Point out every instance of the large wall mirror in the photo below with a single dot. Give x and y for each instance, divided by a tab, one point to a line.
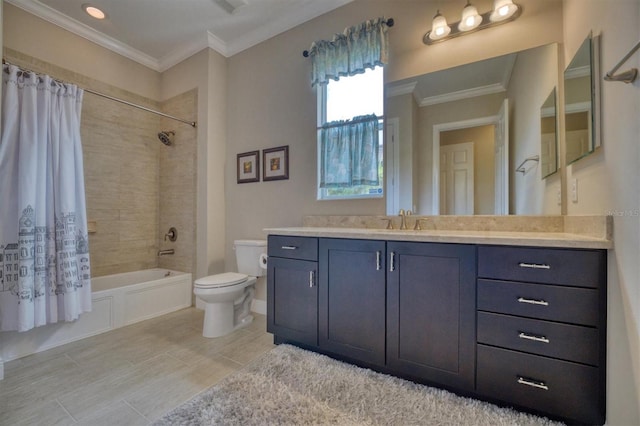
549	136
456	136
581	99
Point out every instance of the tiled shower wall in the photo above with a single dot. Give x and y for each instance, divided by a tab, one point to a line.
131	178
178	184
121	153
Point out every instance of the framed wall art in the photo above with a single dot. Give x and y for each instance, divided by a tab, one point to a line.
275	163
249	167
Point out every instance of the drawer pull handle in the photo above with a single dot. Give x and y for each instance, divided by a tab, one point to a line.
392	258
378	255
533	301
289	248
532	383
526	336
534	265
311	280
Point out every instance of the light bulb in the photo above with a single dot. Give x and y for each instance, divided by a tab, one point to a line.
503	9
93	11
470	18
439	27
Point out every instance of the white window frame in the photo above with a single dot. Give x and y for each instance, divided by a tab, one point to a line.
321	194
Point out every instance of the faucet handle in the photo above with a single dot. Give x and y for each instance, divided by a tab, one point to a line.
401	212
389	223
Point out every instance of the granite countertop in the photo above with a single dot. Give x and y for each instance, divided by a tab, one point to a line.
515	238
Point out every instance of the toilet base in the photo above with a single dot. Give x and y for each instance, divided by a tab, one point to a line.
219	320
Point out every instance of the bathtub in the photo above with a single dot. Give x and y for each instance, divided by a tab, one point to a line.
118	300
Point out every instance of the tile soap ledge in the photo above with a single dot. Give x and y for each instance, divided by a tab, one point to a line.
541	231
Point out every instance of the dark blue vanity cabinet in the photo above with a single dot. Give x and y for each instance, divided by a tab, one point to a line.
352	298
292	289
519	326
431	324
542	330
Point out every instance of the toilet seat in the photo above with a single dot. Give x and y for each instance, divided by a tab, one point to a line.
226	279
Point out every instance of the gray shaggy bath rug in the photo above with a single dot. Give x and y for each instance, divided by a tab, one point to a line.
291	386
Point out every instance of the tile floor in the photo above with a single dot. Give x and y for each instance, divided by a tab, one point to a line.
128	376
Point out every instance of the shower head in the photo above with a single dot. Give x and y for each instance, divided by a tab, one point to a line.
166	137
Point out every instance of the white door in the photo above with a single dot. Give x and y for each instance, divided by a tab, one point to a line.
456	179
502	160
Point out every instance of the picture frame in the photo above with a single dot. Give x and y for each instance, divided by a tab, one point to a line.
275	162
249	167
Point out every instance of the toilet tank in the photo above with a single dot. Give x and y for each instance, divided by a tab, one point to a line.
248	256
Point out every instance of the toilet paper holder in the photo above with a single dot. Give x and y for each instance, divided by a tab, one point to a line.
263	260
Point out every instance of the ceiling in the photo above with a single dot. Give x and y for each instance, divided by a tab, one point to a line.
162	33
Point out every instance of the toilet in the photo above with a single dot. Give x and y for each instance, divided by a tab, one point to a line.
227	297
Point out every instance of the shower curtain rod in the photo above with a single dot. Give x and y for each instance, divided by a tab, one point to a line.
153	111
191	123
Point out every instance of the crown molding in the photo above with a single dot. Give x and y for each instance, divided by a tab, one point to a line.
462	94
312	9
189	49
78	28
402	89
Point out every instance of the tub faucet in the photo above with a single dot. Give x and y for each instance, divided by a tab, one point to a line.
166	252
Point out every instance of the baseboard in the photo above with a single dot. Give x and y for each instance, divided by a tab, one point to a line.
259	306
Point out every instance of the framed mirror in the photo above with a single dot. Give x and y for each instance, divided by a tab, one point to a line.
549	136
581	102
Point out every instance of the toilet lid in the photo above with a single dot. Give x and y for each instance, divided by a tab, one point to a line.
221	280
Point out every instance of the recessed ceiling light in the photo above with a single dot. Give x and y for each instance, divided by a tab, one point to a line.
94	11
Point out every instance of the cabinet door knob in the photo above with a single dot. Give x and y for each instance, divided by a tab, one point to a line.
535	338
533	383
533	301
392	258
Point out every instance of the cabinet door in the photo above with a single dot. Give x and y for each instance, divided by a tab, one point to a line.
352	298
292	300
431	312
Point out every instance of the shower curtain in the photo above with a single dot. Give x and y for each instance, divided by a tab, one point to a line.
44	252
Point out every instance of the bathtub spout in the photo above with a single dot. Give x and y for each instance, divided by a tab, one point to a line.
166	252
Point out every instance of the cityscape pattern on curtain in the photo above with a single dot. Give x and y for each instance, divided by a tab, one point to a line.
29	265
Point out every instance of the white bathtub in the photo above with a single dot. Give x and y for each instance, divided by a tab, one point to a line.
118	300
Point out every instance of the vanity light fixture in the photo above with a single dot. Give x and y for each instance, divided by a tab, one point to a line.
93	11
470	18
439	28
503	11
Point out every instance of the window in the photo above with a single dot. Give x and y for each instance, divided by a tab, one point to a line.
346	99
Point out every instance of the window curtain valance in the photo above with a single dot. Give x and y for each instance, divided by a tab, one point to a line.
349	152
352	52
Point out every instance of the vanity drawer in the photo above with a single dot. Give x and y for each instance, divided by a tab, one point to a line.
579	268
553	339
303	248
560	388
550	302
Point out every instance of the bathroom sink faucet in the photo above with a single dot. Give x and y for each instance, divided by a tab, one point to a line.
403	218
